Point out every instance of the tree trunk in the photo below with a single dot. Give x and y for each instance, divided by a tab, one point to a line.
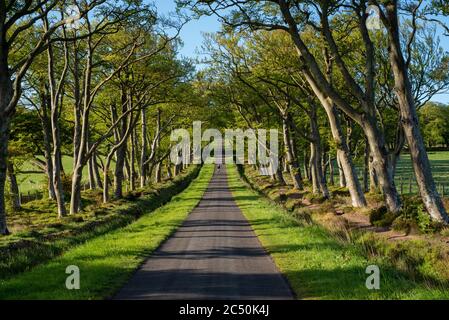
347	174
331	170
57	160
341	173
366	167
380	165
175	170
157	173
168	168
306	166
46	130
373	182
313	164
319	184
98	180
324	165
90	171
284	165
119	172
132	160
91	174
292	162
13	187
6	92
403	89
278	175
75	201
143	151
106	181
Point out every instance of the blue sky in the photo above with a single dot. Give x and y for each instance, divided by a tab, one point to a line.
192	35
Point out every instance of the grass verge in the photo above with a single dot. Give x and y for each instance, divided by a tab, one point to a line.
107	261
48	237
316	264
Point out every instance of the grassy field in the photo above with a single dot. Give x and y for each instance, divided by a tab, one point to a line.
107	261
317	265
32	182
440	169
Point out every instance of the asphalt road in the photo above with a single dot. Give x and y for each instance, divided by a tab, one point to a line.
213	255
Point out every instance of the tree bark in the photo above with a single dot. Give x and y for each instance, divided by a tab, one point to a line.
132	160
292	162
157	173
366	167
347	171
98	180
409	118
278	175
169	174
6	93
331	170
91	174
341	173
306	165
13	187
373	182
144	150
119	171
47	134
319	184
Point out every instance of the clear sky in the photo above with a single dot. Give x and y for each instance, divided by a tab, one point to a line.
192	35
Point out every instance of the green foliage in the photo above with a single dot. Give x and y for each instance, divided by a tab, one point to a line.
434	119
381	217
413	216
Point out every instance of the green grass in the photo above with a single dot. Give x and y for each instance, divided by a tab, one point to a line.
317	265
35	182
108	261
439	161
39	235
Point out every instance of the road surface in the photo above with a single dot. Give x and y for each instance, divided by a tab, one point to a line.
213	255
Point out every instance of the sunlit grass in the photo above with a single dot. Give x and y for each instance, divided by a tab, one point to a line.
316	264
107	261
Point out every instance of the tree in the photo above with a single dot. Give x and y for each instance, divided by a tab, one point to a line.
16	19
355	96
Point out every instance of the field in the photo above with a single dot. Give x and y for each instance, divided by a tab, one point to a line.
33	182
440	169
